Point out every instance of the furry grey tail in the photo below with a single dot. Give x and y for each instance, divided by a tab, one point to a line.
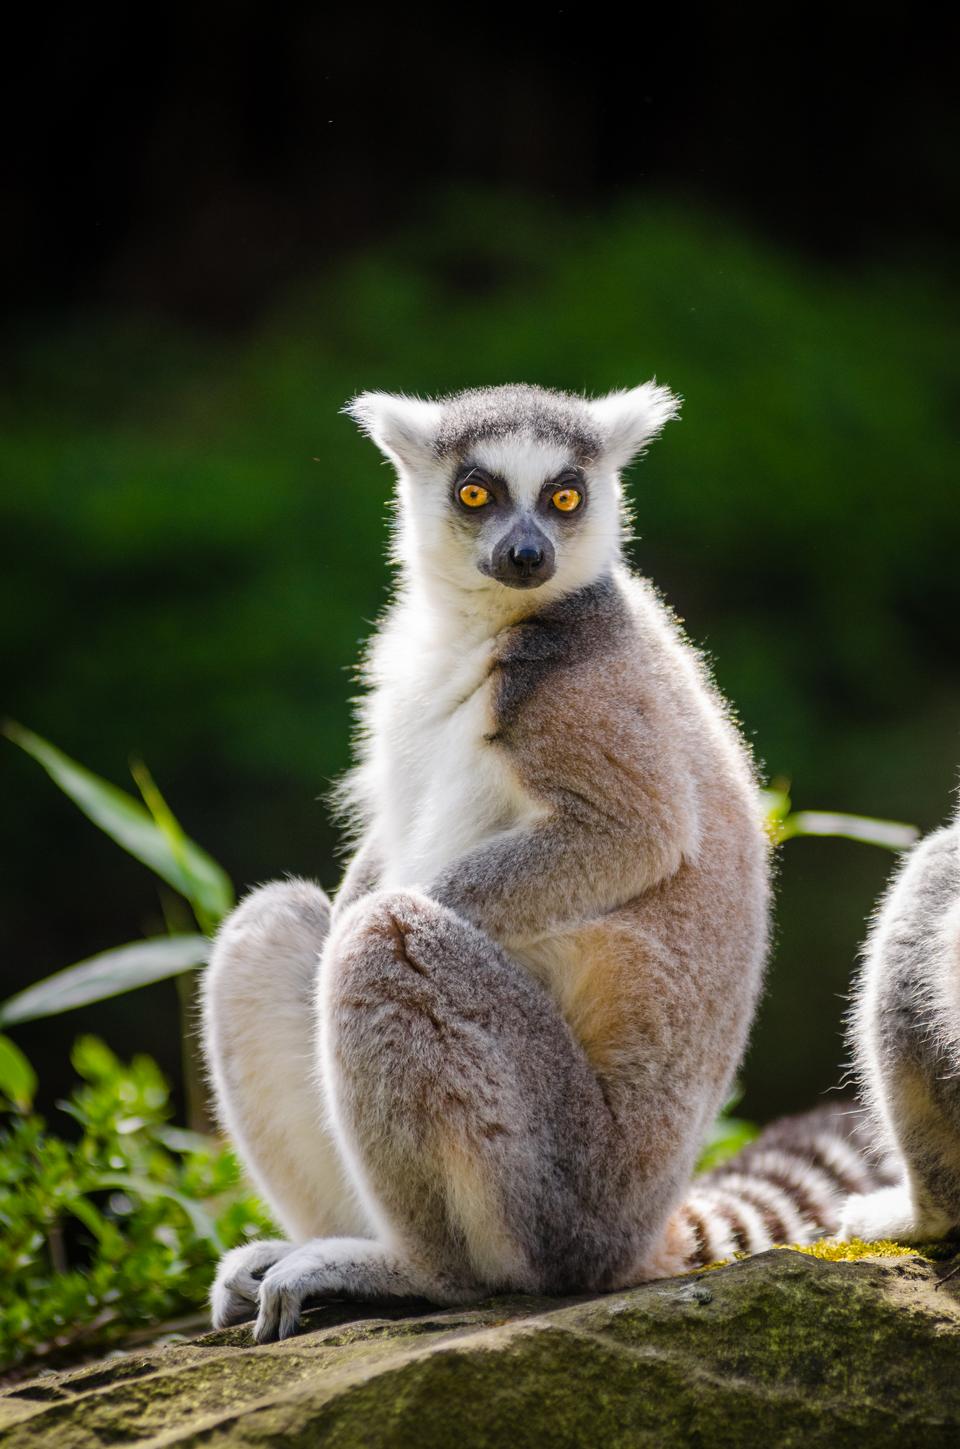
789	1186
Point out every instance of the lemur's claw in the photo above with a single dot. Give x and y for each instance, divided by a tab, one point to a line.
236	1288
286	1286
282	1296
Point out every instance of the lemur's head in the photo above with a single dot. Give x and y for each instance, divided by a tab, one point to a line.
511	488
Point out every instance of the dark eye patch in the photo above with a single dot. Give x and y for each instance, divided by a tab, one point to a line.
568	478
495	486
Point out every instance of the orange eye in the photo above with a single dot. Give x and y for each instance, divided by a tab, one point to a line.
566	499
473	495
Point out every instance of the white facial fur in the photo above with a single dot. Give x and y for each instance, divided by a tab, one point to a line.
443	552
446	553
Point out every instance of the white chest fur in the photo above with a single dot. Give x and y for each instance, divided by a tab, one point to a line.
436	784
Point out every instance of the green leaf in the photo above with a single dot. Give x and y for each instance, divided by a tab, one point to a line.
94	1061
208	909
784	823
726	1138
166	850
109	974
890	834
183	1141
201	1221
85	1212
18	1080
775	799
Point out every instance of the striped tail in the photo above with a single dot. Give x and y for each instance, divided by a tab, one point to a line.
786	1187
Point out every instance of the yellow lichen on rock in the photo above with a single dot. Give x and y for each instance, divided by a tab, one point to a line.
855	1250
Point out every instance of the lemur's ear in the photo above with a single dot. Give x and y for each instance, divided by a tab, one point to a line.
404	428
628	420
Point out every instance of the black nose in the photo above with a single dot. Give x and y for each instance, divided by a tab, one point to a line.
526	560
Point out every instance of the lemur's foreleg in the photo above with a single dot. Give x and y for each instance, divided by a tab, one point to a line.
360	878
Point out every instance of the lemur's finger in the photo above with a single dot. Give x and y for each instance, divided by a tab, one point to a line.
236	1288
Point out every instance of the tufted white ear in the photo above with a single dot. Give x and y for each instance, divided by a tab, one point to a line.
403	428
627	420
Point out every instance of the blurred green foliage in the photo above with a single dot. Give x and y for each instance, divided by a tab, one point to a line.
195	546
117	1227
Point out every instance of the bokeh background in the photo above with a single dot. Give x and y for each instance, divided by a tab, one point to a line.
223	225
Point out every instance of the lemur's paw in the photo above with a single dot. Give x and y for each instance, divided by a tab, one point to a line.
889	1213
236	1288
286	1286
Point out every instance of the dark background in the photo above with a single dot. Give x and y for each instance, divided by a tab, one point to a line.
221	223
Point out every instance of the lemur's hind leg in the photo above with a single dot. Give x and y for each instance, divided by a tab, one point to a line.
907	1027
470	1117
925	1205
260	1042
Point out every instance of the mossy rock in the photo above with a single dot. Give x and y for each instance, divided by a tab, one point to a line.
783	1349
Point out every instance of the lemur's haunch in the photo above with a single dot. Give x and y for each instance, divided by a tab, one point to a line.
905	1034
492	1063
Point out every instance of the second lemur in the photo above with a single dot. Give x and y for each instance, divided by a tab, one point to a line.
905	1036
491	1063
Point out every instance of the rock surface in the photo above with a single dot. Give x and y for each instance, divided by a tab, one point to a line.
782	1349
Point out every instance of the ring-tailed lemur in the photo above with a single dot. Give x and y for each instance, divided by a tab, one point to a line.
905	1036
491	1064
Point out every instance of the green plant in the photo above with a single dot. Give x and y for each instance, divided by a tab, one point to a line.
118	1228
149	831
785	823
727	1135
18	1081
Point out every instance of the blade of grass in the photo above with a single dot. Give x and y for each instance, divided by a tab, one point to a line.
889	834
189	870
210	893
109	974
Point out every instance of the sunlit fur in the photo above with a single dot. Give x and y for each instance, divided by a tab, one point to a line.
535	984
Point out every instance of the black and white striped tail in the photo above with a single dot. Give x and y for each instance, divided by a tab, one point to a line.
786	1187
